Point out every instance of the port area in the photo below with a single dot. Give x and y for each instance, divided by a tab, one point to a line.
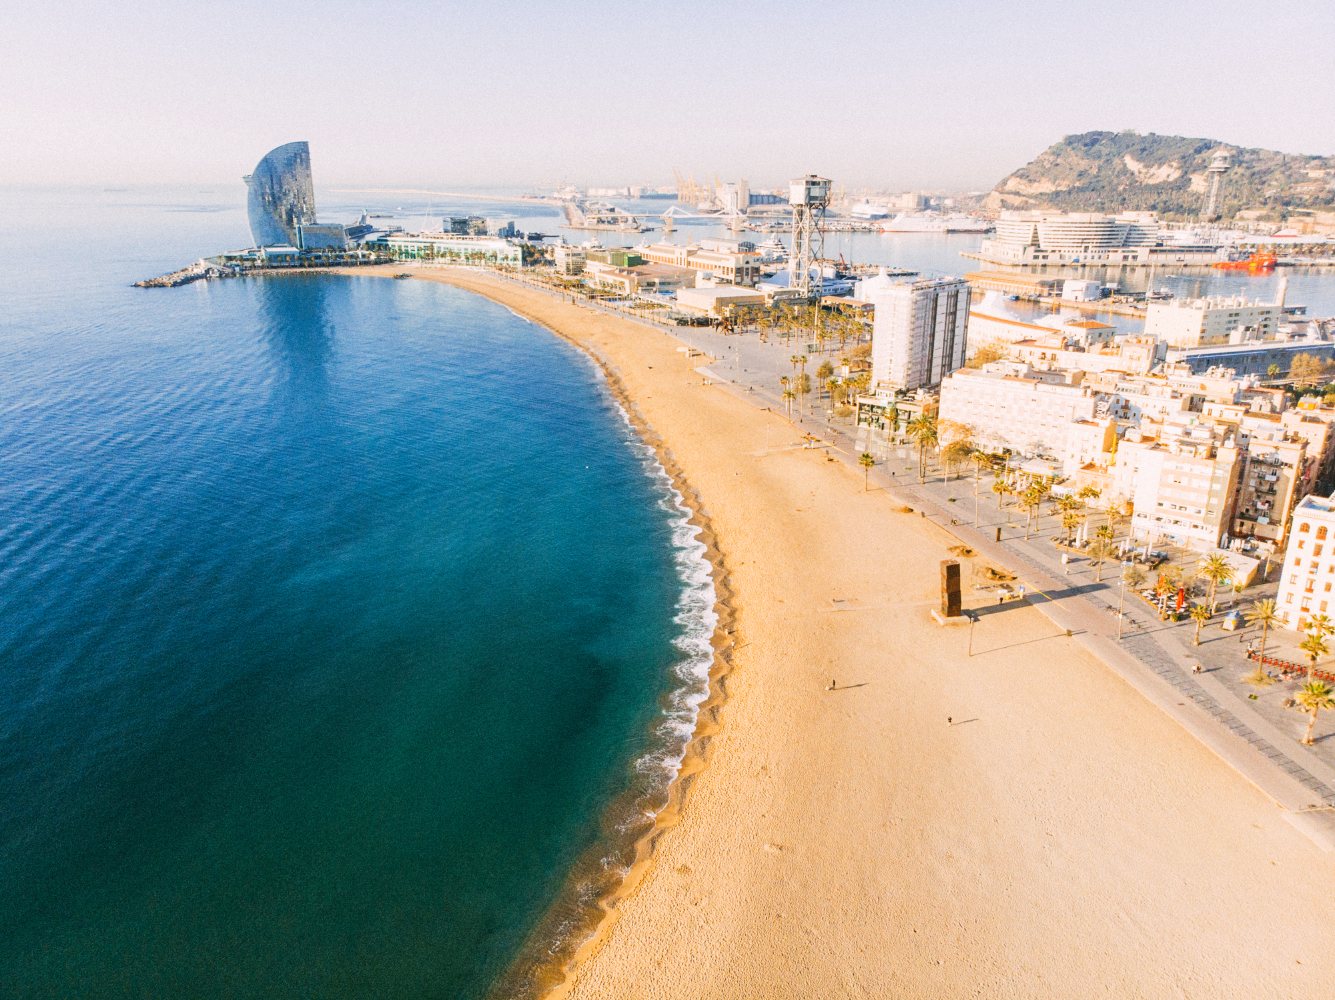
1046	292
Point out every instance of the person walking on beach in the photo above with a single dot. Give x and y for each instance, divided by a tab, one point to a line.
832	686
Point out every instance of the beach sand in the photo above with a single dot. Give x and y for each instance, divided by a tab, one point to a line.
1062	838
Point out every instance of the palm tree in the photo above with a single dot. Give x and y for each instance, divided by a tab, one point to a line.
1320	624
1265	614
1314	645
1031	500
1313	697
1099	551
1215	569
1070	521
1200	614
1001	486
922	430
866	461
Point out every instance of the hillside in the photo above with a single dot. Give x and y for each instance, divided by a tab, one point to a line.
1116	171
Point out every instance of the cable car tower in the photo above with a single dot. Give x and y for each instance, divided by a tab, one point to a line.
809	197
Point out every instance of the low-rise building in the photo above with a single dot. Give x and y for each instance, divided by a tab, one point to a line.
736	267
1211	322
569	260
447	248
714	299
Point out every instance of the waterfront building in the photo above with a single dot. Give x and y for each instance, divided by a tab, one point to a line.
281	195
885	410
1181	475
1041	414
1253	357
714	300
1057	238
1307	581
322	236
632	279
447	248
1212	321
569	260
736	267
918	332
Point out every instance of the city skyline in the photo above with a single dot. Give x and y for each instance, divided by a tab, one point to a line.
945	96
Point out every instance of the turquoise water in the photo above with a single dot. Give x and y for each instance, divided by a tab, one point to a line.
339	618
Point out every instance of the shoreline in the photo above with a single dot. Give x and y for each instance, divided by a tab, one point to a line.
1013	820
564	948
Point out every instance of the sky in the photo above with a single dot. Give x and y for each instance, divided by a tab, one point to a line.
878	96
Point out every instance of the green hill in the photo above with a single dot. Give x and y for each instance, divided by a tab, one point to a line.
1120	171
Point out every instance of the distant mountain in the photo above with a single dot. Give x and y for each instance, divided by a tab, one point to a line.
1119	171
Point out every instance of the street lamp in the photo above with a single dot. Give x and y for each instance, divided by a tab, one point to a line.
1121	595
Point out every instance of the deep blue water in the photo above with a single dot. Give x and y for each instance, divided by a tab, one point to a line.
335	613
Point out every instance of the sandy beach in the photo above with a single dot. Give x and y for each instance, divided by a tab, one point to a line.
1061	837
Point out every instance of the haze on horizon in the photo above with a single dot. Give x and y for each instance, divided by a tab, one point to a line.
950	95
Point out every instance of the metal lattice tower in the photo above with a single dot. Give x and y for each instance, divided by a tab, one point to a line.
1219	165
809	197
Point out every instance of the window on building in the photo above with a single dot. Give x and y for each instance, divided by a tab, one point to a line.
1316	550
1321	532
1304	527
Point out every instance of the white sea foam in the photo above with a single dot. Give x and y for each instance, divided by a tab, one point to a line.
696	619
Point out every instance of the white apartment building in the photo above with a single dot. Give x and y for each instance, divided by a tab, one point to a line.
1010	405
569	260
1211	322
1307	582
918	332
1181	477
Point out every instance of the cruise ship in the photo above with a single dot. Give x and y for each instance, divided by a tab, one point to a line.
935	222
866	210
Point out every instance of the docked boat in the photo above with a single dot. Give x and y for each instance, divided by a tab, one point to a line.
935	222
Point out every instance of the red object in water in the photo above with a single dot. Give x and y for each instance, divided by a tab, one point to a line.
1257	263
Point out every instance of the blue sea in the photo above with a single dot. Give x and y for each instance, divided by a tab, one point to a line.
346	627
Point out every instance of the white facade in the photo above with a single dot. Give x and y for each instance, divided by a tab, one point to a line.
1009	405
1182	483
1307	582
919	332
569	260
1211	321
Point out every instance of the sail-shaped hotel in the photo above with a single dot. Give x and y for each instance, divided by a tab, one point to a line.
282	196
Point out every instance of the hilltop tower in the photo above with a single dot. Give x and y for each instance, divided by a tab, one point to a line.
809	197
1214	174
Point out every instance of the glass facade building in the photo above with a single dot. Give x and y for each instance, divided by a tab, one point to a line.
282	196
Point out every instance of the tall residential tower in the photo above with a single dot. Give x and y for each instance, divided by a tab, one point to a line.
918	335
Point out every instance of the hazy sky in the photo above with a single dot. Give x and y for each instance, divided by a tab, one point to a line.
890	95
